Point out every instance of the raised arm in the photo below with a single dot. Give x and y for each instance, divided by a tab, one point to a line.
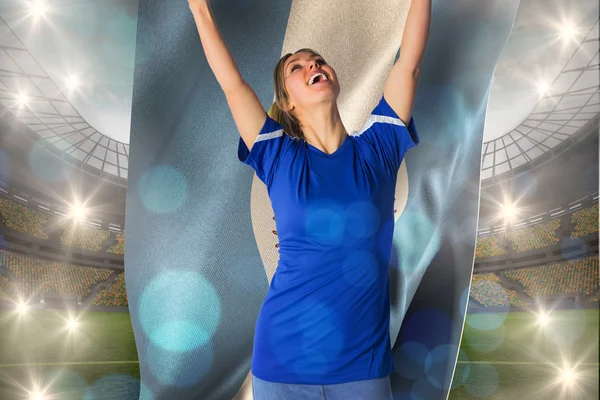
402	81
247	111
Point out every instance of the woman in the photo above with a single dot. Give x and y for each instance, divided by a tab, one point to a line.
323	328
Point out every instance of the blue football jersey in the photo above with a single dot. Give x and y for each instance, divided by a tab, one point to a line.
325	318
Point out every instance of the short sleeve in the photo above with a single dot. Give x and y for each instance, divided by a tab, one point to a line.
388	136
266	150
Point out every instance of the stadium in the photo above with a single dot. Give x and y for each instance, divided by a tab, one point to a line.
532	323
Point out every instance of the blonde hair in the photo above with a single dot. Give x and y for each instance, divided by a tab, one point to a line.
286	119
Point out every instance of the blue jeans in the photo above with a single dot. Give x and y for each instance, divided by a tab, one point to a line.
372	389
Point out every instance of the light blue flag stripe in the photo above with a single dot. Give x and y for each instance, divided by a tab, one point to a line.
194	277
434	238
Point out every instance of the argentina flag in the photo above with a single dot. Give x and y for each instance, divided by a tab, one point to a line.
202	244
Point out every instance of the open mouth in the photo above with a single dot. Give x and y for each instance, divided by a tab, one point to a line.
318	79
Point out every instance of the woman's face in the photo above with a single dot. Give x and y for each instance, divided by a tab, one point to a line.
298	70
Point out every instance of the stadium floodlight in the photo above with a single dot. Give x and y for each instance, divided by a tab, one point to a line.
38	9
568	376
72	324
78	212
543	87
543	318
568	31
36	394
22	99
22	308
509	212
72	82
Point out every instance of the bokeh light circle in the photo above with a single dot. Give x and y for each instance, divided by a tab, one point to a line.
409	360
482	381
162	189
436	365
173	368
362	220
325	223
417	328
461	370
485	321
485	341
182	322
65	384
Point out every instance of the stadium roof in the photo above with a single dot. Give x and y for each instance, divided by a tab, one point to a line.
46	111
571	102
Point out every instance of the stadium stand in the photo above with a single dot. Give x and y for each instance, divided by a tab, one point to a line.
577	276
489	246
119	248
113	296
8	289
535	237
35	275
487	290
82	236
22	219
585	221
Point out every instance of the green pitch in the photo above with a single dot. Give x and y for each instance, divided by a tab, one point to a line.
98	360
520	359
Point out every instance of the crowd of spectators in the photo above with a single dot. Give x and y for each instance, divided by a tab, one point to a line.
23	219
8	290
577	276
489	246
35	275
113	296
78	235
585	221
487	290
119	247
535	237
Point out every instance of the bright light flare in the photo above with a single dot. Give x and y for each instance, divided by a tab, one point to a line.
543	87
568	376
72	82
509	212
72	324
22	308
38	9
543	319
568	32
22	99
37	394
78	212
